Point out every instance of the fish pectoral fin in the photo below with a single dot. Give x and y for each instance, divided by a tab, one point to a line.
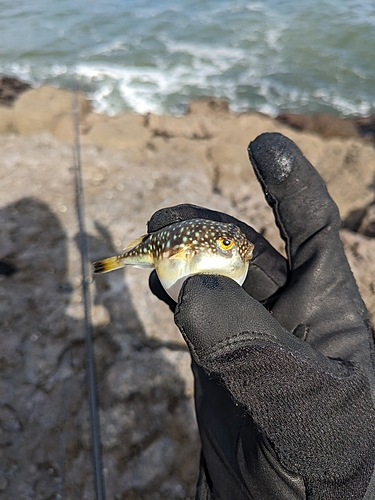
136	242
106	265
183	254
145	265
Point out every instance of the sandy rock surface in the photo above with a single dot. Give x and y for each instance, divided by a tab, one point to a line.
132	166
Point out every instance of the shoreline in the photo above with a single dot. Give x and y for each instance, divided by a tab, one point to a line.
325	125
208	137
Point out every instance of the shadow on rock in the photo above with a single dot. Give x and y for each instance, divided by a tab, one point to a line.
35	367
148	430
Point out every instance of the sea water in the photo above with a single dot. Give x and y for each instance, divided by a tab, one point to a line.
155	56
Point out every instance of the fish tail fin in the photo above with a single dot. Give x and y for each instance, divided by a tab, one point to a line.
109	264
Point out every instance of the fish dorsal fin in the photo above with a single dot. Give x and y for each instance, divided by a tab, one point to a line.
182	254
136	242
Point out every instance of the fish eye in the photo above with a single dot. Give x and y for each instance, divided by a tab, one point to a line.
225	243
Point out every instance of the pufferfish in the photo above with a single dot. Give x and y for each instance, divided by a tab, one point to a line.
186	248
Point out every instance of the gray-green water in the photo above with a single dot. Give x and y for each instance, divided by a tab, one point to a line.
269	55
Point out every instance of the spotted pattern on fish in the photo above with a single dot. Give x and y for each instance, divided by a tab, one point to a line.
198	235
186	248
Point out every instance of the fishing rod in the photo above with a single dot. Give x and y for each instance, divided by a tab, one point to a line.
86	279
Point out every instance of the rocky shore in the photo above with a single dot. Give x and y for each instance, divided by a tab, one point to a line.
132	165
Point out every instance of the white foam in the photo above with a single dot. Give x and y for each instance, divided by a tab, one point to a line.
255	64
146	89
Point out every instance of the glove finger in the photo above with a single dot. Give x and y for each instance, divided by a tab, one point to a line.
215	316
268	269
321	292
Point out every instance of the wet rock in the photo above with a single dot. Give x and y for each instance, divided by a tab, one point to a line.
11	88
323	124
328	126
208	106
366	126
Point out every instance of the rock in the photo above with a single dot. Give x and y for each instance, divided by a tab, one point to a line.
367	226
146	470
348	167
141	375
297	121
362	221
181	155
168	333
366	127
64	129
189	126
182	361
42	109
6	120
322	124
92	119
11	88
328	126
360	253
208	106
123	132
7	269
205	119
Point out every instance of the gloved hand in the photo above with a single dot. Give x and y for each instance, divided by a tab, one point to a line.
284	395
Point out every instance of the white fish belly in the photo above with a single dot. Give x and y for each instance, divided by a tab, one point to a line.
173	273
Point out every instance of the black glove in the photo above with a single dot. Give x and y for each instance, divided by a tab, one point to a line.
284	397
